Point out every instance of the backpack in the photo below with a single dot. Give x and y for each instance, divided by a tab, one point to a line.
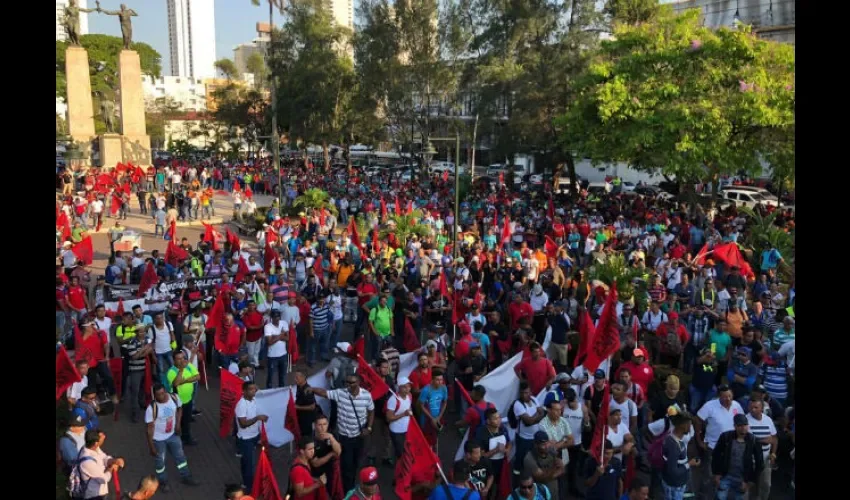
290	490
513	420
481	412
541	488
673	344
77	486
656	448
155	406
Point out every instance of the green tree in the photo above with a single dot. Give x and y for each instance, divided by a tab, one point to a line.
227	68
405	226
677	98
315	199
632	12
103	53
315	75
156	114
256	65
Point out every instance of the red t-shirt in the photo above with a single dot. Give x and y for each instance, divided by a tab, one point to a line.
91	348
366	288
473	417
419	379
462	348
76	297
304	312
678	251
60	298
299	474
537	372
642	374
519	311
253	326
232	336
583	230
681	332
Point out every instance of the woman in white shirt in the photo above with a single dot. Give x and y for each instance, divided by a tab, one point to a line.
398	413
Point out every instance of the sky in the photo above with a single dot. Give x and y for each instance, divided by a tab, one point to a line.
235	23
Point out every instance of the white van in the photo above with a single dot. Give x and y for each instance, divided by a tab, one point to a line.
746	198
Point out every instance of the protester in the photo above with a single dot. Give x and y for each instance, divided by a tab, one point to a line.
248	421
737	460
163	418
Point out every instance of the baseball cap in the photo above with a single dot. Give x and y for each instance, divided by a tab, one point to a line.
369	475
599	374
542	437
673	315
430	344
403	381
740	419
77	421
637	353
561	377
744	350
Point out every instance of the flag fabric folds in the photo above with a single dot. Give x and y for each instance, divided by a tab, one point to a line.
66	372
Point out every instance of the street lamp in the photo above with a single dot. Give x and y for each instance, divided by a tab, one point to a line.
428	154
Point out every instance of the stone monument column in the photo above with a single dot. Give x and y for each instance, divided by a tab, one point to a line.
136	144
78	90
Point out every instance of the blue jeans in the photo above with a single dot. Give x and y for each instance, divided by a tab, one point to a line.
319	347
336	332
224	360
60	323
248	462
277	366
175	448
673	492
700	397
729	489
164	362
523	446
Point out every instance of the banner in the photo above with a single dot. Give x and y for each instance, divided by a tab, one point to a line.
265	485
66	372
291	422
371	381
231	392
275	403
417	460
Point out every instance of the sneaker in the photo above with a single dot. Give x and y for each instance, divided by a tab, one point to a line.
238	455
190	481
195	413
165	487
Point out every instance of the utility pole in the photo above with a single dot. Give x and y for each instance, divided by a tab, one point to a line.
275	136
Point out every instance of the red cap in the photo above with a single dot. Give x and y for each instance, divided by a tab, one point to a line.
674	315
292	295
369	475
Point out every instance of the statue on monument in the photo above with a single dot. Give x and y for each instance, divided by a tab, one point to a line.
71	22
107	113
124	16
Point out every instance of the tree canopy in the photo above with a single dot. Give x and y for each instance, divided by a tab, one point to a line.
227	68
679	98
103	53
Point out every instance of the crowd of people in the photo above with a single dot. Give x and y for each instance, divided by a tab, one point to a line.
701	390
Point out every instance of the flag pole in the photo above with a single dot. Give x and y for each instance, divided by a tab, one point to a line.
206	379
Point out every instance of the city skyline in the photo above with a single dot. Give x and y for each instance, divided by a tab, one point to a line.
191	38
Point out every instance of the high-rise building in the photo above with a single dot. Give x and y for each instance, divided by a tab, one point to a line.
771	19
243	51
191	38
60	16
343	12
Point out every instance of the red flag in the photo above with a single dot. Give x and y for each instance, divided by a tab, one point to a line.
172	230
411	340
231	392
630	472
66	372
506	229
360	346
115	481
216	315
62	222
211	236
148	382
84	251
292	345
397	206
149	279
444	289
702	255
291	421
607	339
465	393
318	270
372	382
445	175
505	478
729	254
241	270
355	238
551	247
376	245
586	332
478	298
336	488
270	256
383	209
265	485
236	186
456	316
116	368
116	203
550	212
409	207
322	216
417	459
264	438
601	429
235	242
120	311
174	254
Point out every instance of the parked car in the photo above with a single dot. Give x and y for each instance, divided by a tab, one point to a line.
599	188
647	190
754	189
626	186
745	198
442	166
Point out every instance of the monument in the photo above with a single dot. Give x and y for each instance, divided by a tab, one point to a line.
133	143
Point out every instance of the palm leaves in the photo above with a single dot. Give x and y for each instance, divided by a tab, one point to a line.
405	226
616	268
315	199
764	235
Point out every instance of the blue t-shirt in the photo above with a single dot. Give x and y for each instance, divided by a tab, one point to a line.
457	493
770	259
490	241
484	340
433	398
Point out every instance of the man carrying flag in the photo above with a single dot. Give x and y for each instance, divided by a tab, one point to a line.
248	421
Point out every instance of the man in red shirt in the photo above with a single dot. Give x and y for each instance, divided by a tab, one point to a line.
78	299
421	376
304	485
474	415
365	291
228	339
463	344
642	373
253	321
92	345
670	352
518	310
536	370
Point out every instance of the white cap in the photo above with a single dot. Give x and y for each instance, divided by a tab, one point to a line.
343	346
67	244
403	381
139	251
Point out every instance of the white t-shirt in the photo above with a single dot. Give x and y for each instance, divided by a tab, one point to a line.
718	419
279	348
576	420
166	418
163	338
247	409
335	303
76	389
530	409
761	429
617	437
104	324
289	314
627	408
399	406
97	206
